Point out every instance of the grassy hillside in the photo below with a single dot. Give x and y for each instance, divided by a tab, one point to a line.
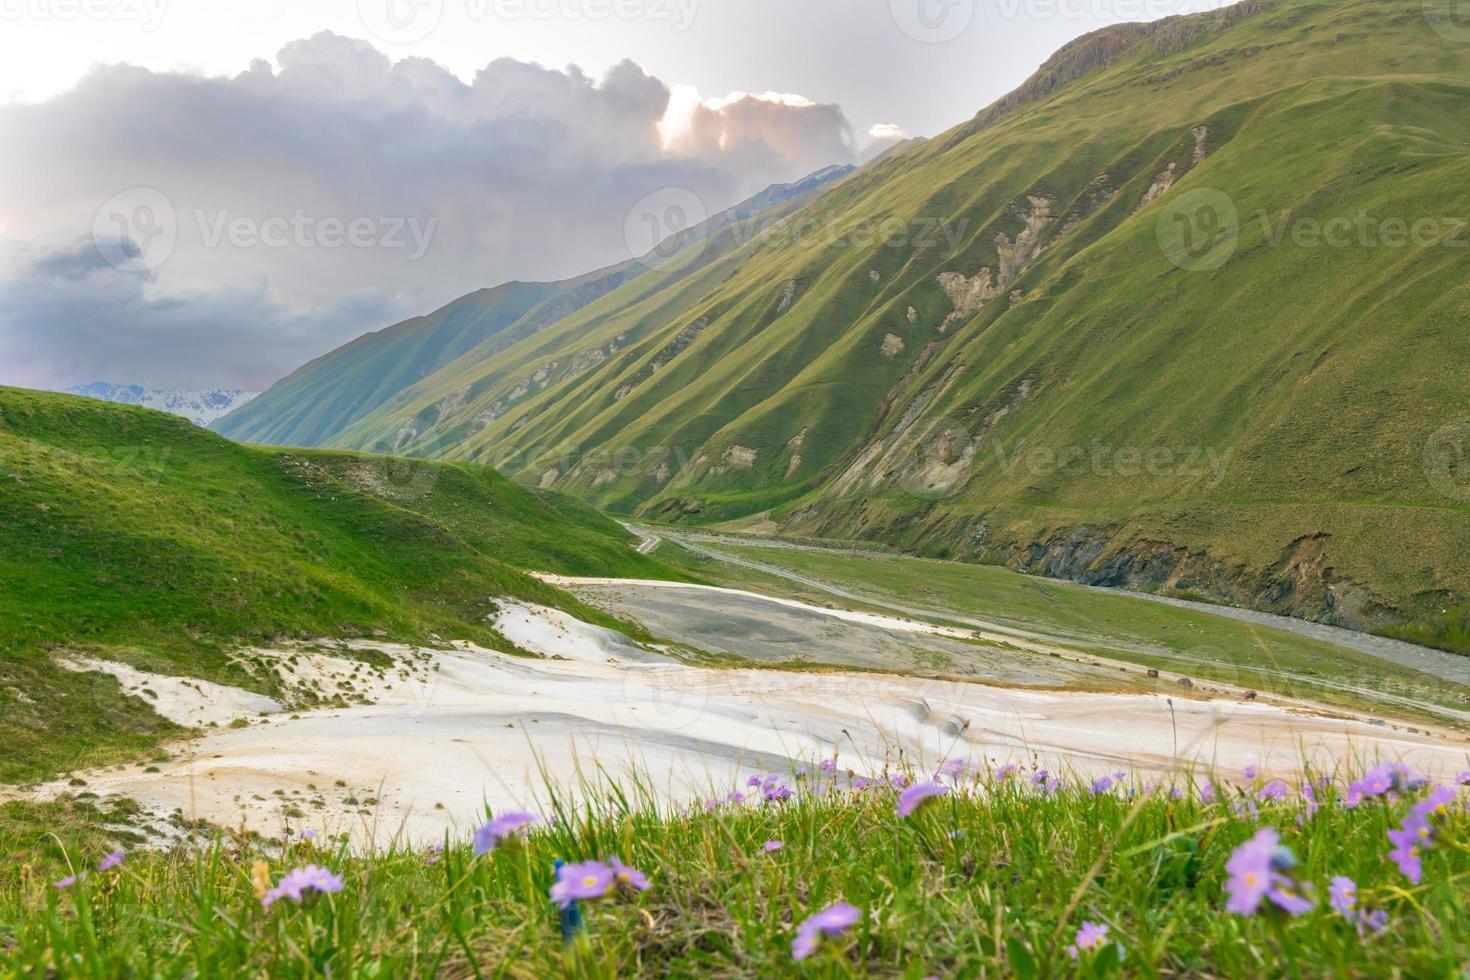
1177	315
315	403
137	536
997	877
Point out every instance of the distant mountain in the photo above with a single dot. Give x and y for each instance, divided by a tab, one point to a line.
200	407
1187	311
316	403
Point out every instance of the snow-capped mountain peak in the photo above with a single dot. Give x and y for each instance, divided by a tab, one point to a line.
200	407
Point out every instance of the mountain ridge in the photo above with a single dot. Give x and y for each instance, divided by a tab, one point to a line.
313	404
984	381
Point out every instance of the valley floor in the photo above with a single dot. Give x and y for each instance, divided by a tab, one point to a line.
748	684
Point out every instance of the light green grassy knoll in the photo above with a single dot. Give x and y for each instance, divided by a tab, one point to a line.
983	347
322	398
135	536
1176	641
994	878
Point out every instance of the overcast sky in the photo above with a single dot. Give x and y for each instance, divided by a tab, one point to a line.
210	192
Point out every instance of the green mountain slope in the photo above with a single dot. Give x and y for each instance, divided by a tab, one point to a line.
1089	333
135	536
314	404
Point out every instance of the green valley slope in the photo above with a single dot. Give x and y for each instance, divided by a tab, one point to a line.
319	400
1089	333
135	536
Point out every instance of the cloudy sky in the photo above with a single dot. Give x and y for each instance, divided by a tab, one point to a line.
210	192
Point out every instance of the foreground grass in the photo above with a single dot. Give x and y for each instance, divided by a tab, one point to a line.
994	878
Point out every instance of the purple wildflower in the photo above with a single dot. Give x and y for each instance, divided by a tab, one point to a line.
1101	785
628	877
1002	773
1039	777
1092	937
1389	778
898	780
1310	795
861	783
952	769
1246	807
772	845
1287	898
1250	872
1463	778
1437	802
586	880
111	861
829	766
1375	921
303	884
503	827
1344	896
918	794
67	882
435	855
753	782
1250	771
1410	840
830	922
1256	872
1276	789
308	834
1207	792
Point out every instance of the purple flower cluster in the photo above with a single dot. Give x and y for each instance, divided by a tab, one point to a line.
1343	894
1389	779
1416	833
303	885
